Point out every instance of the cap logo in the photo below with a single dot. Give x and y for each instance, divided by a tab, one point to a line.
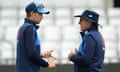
90	16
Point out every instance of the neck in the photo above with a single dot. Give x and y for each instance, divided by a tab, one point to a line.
30	18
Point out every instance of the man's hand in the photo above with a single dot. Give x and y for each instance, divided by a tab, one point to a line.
47	54
52	63
72	52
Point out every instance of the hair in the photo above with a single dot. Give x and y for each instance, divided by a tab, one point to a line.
28	14
95	25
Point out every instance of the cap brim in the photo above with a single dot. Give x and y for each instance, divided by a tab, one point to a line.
78	16
43	11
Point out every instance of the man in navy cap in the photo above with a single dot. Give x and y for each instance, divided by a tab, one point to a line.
89	56
29	58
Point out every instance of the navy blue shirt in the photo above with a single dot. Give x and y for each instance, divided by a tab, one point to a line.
90	55
28	49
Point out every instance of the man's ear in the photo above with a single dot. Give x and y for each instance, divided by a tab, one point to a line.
31	13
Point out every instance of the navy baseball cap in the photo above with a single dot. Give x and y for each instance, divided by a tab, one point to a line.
90	15
36	7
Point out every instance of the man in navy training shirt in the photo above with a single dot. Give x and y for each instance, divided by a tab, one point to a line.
89	57
29	57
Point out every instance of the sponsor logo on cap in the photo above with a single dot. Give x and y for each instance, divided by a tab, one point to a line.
90	15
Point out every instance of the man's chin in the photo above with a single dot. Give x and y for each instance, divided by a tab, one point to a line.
37	23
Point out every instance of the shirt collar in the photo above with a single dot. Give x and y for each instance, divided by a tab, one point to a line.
27	20
88	30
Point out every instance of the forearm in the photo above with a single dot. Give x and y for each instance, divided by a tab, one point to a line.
37	59
79	60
